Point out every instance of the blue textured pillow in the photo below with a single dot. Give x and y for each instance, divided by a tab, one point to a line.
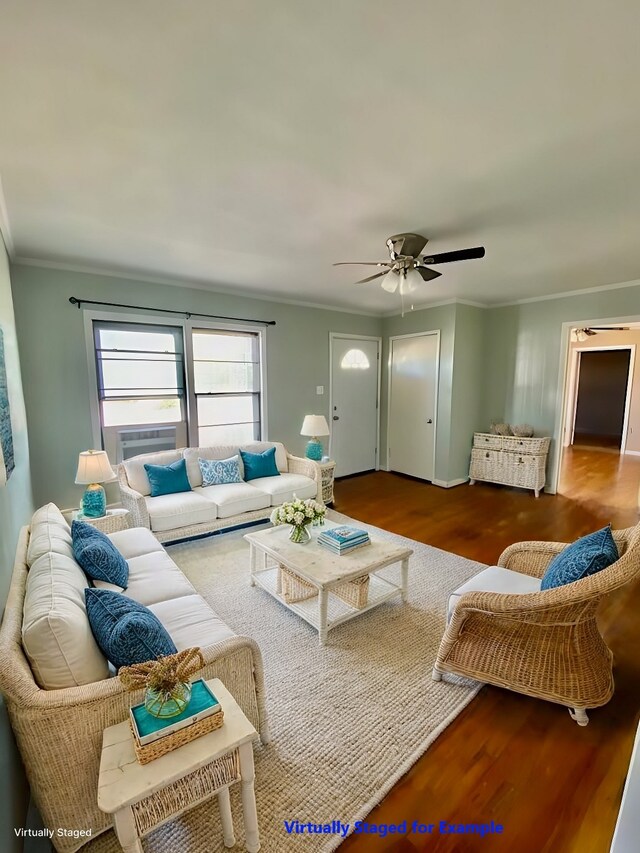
582	558
168	479
259	464
126	631
98	557
219	472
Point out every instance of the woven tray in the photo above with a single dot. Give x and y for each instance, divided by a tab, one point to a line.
150	751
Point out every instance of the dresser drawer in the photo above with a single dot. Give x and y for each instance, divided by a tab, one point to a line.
488	441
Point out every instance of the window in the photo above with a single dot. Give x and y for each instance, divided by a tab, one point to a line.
355	359
226	382
140	370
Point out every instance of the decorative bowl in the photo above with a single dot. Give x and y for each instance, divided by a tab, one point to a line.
523	430
501	429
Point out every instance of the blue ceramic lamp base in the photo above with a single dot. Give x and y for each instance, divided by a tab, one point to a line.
314	449
94	501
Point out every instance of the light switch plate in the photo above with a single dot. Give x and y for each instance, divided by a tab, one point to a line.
319	390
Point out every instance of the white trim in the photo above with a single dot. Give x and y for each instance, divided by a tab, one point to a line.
448	484
567	293
187	327
5	227
426	306
194	284
563	379
392	338
344	336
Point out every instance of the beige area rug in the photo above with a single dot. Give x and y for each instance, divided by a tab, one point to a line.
347	720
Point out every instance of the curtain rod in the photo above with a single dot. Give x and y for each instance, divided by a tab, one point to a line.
75	301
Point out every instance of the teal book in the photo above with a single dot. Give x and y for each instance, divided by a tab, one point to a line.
148	728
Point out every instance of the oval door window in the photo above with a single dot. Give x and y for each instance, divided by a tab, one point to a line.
355	359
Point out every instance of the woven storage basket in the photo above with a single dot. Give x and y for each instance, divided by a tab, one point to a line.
150	751
531	446
355	592
294	588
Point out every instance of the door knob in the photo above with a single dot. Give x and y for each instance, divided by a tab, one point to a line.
429	421
336	418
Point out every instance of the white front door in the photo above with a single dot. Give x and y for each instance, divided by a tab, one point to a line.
354	404
413	382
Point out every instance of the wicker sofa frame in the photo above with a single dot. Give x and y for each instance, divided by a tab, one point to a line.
544	644
59	732
136	504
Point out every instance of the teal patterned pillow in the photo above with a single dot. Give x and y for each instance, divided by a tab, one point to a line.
220	472
584	557
98	557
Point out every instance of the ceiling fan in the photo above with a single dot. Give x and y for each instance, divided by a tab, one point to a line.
584	334
407	264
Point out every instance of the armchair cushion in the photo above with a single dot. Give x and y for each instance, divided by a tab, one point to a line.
494	579
582	558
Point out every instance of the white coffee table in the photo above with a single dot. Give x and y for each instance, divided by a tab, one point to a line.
270	549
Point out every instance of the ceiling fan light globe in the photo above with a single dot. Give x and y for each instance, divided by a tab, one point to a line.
390	282
412	280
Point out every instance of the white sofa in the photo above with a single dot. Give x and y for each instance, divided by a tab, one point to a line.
60	692
207	509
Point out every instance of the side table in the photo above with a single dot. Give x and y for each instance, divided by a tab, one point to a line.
327	470
112	522
142	796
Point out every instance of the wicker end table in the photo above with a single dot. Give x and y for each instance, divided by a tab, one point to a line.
327	472
142	796
114	521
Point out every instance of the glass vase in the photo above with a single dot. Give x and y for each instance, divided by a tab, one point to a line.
300	534
161	703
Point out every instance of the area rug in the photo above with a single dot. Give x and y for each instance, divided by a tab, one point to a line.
348	719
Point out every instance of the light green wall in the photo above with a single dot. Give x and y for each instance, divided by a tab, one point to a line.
15	511
522	360
56	374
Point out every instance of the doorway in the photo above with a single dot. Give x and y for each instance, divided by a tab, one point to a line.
413	389
354	394
599	397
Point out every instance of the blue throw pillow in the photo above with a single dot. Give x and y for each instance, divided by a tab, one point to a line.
584	557
168	479
126	631
259	464
98	557
220	472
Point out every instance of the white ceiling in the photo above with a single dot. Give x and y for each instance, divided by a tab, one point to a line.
247	145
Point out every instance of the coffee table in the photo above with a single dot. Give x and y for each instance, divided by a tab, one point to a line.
271	551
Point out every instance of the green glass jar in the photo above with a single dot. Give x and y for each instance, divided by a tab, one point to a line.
167	704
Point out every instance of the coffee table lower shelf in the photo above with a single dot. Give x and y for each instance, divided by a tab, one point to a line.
337	611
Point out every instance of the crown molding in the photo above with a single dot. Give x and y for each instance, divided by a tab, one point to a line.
89	269
428	305
568	293
5	228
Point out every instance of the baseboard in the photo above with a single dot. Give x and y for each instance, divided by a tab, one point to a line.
449	484
632	453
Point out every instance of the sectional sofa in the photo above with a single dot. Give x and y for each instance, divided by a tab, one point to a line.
207	509
60	690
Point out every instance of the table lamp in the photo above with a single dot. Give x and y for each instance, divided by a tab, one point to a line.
314	425
94	468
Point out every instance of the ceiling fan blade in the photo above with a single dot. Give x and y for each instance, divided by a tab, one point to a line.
459	255
589	332
407	244
371	277
608	328
363	263
427	274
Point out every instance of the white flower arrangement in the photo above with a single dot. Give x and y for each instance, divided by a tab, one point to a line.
299	513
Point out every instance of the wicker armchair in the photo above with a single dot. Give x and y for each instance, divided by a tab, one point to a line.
544	644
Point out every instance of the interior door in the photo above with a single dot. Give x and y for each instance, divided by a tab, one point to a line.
354	401
412	404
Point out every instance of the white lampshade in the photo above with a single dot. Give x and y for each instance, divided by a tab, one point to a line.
390	282
412	279
94	467
315	425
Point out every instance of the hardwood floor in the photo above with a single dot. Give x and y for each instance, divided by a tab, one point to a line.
555	787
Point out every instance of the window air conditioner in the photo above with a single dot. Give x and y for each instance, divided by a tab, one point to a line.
133	442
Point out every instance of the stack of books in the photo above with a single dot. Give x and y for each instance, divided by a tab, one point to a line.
344	539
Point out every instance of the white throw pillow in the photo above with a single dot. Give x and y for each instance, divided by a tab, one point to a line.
56	635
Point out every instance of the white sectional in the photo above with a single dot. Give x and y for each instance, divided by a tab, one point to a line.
206	509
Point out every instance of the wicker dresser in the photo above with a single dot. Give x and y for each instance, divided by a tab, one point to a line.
510	460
